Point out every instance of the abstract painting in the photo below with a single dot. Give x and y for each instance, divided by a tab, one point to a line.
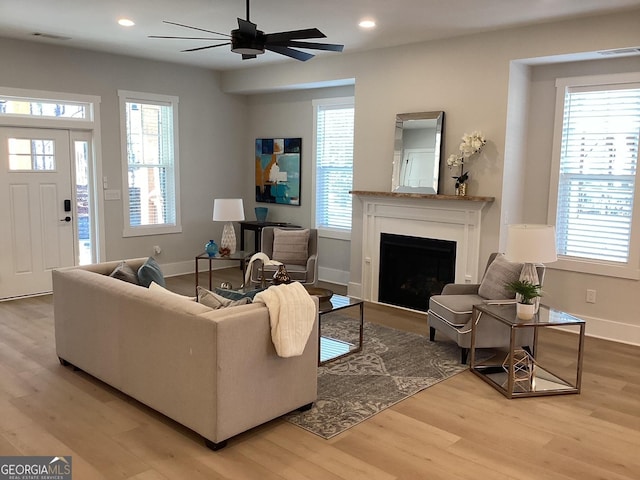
278	170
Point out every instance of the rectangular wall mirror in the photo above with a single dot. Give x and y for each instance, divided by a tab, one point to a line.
417	152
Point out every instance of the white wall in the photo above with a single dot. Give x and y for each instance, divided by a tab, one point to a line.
613	315
290	114
468	78
211	133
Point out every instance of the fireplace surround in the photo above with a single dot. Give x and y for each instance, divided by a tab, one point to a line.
439	217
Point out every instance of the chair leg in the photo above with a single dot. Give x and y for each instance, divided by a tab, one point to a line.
432	334
464	354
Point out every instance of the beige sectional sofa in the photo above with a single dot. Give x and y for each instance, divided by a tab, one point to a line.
214	371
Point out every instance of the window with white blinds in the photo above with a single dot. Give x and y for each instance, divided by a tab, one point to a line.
151	163
333	164
597	172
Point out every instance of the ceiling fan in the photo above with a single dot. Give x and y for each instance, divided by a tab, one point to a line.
250	42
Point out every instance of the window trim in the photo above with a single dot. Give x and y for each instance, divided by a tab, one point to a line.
631	269
149	98
324	232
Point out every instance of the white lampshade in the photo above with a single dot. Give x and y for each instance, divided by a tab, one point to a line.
527	243
228	210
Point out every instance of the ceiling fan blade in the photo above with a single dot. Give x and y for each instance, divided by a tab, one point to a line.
196	28
315	46
204	48
187	38
248	57
290	52
247	28
294	35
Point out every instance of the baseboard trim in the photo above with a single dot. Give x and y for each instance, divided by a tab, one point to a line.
612	330
354	290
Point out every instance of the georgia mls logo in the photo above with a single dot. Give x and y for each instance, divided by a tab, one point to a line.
35	468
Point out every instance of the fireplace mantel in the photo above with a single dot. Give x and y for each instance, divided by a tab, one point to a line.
425	196
442	217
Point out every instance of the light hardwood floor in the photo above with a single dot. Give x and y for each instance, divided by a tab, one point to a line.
459	428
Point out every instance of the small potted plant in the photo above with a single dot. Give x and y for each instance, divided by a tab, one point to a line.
527	294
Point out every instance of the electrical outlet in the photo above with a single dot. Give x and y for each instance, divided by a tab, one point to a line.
591	296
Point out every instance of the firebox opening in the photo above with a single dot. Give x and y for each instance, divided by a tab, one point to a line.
414	268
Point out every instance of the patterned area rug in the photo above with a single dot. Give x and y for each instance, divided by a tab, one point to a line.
392	366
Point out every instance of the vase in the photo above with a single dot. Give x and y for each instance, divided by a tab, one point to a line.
281	276
261	214
461	190
211	248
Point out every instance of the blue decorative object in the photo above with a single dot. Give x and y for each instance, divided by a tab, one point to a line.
261	214
211	248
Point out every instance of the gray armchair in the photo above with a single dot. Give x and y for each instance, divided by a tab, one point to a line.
450	312
290	246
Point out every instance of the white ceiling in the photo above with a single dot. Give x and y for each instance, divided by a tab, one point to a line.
92	24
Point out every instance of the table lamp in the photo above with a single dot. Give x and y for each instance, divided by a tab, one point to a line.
228	210
532	245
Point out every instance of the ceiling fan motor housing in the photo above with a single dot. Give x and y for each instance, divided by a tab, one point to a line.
247	44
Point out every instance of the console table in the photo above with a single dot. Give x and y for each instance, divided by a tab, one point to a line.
257	227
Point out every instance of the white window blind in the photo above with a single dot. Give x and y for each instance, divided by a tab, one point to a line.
597	177
151	165
334	165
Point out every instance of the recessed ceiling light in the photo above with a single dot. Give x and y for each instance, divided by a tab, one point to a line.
367	24
125	22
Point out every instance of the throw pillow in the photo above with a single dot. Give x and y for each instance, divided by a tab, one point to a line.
500	272
149	272
125	273
291	247
236	295
215	301
156	288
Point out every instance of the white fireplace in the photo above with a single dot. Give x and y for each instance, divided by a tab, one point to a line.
440	217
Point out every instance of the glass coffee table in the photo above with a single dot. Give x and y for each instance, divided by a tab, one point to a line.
330	348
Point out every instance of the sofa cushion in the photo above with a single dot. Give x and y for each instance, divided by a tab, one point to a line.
149	272
500	272
215	301
154	287
454	309
291	247
168	299
124	272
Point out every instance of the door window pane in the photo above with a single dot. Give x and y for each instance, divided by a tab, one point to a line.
83	212
31	154
43	108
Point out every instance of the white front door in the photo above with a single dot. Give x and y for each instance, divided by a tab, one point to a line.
36	209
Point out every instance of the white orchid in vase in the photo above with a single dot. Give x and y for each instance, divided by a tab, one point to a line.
470	145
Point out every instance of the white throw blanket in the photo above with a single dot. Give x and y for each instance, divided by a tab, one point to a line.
291	313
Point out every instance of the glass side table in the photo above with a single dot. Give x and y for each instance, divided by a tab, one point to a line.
520	372
238	256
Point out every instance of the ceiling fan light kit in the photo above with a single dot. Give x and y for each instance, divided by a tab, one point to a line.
250	42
